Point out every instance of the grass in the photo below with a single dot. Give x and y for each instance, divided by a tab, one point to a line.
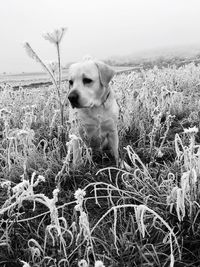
58	211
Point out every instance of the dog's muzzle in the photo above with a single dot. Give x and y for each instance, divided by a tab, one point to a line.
74	99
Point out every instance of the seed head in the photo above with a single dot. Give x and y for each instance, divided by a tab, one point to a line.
99	264
56	36
79	194
192	130
82	263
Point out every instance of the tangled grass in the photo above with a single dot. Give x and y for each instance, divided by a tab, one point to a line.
58	210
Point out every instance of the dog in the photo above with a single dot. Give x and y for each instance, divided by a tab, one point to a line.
98	111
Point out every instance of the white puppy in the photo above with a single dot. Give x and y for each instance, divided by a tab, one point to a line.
95	102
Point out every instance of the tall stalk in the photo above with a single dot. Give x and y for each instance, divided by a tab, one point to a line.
59	84
55	38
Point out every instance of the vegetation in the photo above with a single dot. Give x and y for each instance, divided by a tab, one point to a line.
57	211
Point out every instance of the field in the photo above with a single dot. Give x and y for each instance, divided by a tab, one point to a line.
55	211
34	79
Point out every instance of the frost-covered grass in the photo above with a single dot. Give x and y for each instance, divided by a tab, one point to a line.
62	205
56	211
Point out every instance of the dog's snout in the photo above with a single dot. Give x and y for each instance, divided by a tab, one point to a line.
73	98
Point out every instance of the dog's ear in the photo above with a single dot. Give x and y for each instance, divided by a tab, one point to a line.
106	73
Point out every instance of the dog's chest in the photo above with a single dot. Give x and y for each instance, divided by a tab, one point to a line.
97	123
98	126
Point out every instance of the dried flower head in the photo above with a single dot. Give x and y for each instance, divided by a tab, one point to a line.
41	178
5	184
192	130
99	264
55	194
79	194
82	263
56	36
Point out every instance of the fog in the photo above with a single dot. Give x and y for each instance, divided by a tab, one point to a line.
100	28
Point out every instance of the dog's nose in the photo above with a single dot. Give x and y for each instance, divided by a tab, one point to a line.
73	98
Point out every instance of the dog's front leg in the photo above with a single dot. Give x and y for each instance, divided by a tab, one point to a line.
113	141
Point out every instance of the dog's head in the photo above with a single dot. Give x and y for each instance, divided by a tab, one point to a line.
88	83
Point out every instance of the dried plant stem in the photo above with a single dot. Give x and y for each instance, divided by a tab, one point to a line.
63	139
59	65
57	84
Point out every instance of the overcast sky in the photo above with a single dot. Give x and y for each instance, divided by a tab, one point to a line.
101	28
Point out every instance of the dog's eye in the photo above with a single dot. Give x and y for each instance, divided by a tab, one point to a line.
71	82
87	81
